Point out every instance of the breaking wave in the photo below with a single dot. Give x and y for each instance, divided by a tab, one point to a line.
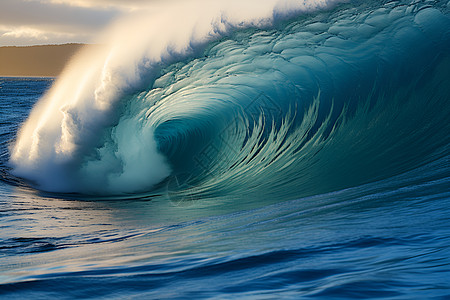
272	100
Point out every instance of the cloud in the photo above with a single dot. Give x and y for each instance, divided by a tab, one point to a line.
22	12
117	4
23	36
52	21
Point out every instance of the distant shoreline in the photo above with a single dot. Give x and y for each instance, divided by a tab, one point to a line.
28	76
44	61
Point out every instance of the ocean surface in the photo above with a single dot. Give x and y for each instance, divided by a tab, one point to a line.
303	153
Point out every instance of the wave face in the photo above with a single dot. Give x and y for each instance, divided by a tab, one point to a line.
247	100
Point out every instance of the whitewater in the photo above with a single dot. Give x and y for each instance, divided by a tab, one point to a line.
223	149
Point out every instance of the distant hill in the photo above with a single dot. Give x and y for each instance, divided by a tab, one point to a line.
46	60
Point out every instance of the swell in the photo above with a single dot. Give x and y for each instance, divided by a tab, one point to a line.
268	110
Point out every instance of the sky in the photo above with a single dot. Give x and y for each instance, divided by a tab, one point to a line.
40	22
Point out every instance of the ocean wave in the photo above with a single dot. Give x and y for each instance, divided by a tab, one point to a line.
268	101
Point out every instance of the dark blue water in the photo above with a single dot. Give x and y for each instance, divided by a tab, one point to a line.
326	176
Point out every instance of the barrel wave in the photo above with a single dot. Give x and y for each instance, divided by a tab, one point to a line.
268	102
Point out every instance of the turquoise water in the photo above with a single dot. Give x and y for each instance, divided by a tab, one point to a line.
308	158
